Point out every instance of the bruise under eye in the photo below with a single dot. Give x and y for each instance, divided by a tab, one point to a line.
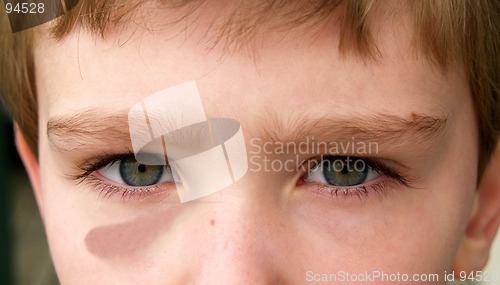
134	173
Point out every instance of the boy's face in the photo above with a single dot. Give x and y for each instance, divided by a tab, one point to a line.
270	227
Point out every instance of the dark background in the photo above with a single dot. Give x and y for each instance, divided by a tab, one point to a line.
5	237
24	255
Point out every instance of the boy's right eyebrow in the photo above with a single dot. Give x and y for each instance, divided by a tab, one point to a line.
96	129
88	129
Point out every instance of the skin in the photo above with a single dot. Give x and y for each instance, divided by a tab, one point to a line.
269	227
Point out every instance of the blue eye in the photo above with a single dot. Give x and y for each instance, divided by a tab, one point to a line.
132	173
342	171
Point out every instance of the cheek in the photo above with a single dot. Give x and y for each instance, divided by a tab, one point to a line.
70	212
404	231
92	239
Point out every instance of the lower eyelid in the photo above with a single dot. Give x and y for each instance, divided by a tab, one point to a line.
377	187
110	190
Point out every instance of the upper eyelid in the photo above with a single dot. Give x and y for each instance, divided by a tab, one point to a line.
104	160
377	165
88	166
93	165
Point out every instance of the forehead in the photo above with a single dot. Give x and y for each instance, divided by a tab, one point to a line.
296	69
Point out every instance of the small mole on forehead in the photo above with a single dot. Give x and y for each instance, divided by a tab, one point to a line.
212	222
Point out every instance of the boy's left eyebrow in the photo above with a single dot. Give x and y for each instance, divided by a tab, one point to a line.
414	129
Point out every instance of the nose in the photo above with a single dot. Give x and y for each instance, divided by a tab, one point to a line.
236	240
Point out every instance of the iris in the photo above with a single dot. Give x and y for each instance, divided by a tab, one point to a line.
344	171
134	173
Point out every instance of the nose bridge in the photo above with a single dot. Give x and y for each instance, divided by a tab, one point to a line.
234	247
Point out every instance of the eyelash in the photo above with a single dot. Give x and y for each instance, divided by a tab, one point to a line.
360	191
108	190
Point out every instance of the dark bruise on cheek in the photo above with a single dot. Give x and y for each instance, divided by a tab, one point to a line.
128	239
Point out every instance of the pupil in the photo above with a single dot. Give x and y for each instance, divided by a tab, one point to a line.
141	168
345	170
